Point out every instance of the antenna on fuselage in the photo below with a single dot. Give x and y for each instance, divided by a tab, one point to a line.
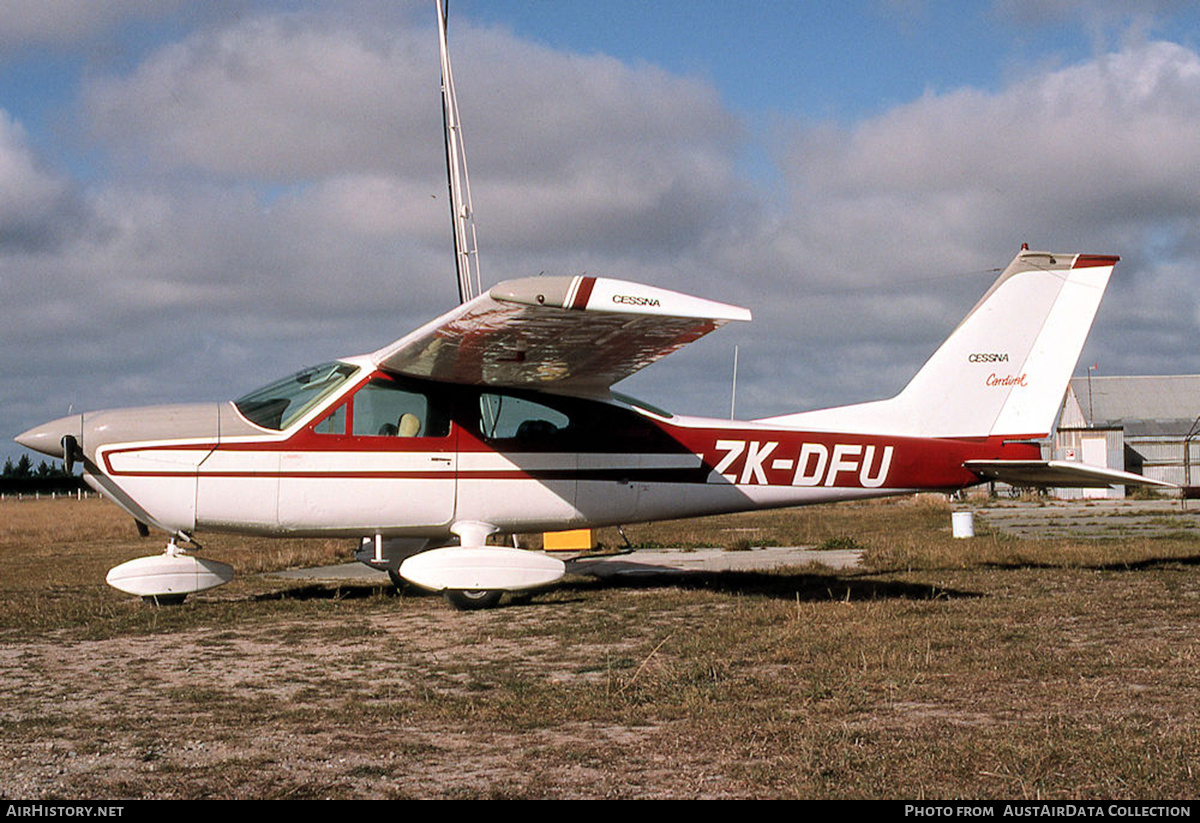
462	214
733	393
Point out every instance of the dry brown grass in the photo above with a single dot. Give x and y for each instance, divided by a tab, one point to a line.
990	668
54	555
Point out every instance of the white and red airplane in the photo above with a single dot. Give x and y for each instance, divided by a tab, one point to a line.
498	417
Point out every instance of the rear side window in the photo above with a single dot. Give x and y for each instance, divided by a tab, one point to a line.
523	421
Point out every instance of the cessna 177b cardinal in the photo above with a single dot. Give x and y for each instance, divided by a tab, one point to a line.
498	417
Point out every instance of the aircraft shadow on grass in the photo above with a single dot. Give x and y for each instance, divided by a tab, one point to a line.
1145	564
791	587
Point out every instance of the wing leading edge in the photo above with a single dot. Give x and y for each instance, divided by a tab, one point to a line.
572	335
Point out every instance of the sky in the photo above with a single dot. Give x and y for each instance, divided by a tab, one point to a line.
197	199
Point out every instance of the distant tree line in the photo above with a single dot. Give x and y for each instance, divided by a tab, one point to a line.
24	468
23	477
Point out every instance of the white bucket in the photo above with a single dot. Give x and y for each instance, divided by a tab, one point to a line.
963	524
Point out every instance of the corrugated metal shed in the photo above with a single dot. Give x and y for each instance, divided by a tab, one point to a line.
1150	405
1153	414
1097	447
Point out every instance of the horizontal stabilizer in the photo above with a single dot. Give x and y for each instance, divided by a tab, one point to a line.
1058	473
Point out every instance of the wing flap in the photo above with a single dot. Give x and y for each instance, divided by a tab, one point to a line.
1058	473
566	334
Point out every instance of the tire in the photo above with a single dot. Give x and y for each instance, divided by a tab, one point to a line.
472	599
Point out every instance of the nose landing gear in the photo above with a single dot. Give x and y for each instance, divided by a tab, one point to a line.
168	578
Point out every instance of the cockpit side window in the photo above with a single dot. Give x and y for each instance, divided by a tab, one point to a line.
281	403
334	422
388	409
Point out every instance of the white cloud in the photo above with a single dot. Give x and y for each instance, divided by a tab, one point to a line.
1085	149
567	150
38	207
1099	157
276	99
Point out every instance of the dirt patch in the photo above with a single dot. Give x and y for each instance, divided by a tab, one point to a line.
291	711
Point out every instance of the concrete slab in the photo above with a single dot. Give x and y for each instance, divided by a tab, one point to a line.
338	574
1090	519
676	561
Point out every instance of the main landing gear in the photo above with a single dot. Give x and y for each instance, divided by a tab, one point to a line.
476	577
472	599
461	599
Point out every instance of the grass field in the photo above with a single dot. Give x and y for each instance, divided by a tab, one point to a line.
988	668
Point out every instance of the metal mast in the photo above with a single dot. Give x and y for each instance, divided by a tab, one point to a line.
462	213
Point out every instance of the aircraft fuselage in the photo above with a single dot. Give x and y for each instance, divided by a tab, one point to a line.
520	461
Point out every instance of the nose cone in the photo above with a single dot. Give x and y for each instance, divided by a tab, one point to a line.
47	438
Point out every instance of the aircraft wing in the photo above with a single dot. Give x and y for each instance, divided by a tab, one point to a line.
1057	473
572	335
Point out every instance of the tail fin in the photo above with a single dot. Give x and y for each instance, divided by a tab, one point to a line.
1004	370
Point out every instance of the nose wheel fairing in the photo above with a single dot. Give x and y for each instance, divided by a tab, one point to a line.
168	577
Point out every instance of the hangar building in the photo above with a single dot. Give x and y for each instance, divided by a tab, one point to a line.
1148	425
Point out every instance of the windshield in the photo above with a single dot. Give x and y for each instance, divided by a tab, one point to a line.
276	406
